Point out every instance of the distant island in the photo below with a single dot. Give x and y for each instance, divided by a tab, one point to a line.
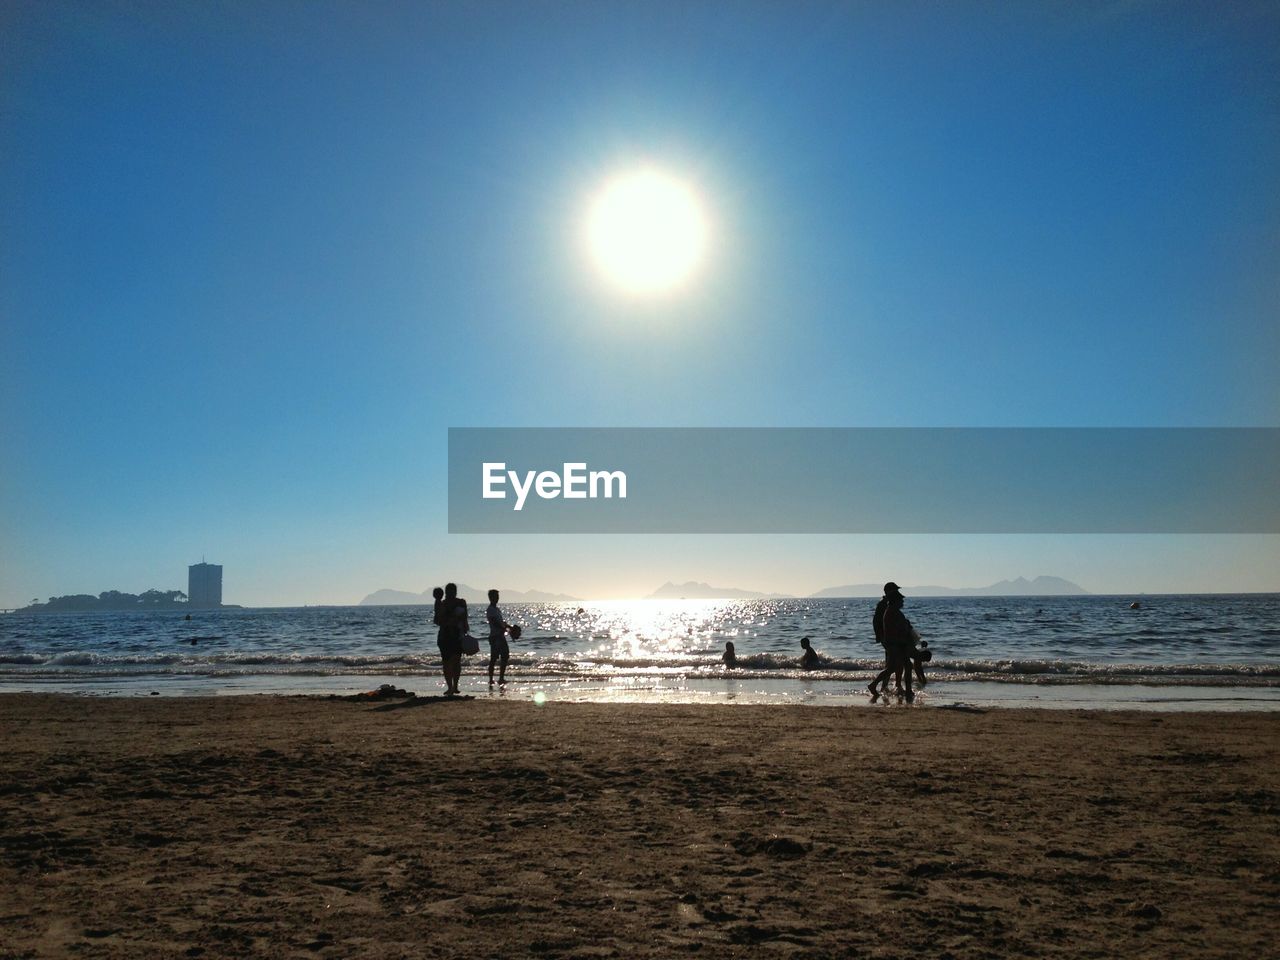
110	600
693	590
394	598
1021	587
696	590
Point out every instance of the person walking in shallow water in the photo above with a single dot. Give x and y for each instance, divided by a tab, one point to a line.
877	625
894	630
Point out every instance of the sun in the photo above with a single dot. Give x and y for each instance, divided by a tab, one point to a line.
646	232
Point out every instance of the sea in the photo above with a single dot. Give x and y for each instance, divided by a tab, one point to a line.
1192	652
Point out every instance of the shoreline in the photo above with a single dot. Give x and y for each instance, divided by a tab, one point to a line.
222	826
675	688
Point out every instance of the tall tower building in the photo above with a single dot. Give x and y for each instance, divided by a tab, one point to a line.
204	584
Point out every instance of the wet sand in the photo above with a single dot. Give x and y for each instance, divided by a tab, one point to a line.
303	827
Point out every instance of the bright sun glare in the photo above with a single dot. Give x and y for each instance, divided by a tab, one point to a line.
646	232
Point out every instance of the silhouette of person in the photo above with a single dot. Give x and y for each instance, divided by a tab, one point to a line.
457	609
499	649
877	625
809	659
898	637
730	657
451	618
442	637
919	657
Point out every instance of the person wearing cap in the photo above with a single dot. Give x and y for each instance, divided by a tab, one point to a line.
877	624
894	631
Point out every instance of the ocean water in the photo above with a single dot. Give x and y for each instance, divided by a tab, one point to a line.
1180	652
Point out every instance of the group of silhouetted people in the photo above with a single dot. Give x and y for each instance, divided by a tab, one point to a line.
454	638
905	653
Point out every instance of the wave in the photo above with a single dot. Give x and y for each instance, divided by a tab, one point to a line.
87	658
584	665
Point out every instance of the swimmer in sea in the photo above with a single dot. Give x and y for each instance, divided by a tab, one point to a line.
730	657
809	659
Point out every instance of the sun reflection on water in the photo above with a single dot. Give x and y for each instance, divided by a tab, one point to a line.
638	629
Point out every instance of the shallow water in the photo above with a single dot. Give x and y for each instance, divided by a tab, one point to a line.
1055	650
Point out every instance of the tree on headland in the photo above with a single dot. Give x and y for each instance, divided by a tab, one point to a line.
110	600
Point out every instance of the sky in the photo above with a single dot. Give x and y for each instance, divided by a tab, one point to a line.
258	258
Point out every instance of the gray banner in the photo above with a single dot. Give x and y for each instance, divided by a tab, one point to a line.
864	480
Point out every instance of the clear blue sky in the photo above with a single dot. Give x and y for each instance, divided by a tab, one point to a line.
258	257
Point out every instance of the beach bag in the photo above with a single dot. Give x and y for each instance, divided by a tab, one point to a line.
470	644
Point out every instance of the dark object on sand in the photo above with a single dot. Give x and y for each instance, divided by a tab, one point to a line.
515	631
772	845
385	692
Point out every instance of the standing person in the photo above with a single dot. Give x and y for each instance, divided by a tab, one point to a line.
444	639
453	624
499	650
461	624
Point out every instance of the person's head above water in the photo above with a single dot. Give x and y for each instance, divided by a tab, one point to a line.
804	642
450	590
438	593
493	596
728	645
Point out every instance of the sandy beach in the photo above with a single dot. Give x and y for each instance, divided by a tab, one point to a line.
302	827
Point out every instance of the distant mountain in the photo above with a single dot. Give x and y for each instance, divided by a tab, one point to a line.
695	590
391	598
1021	587
703	591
